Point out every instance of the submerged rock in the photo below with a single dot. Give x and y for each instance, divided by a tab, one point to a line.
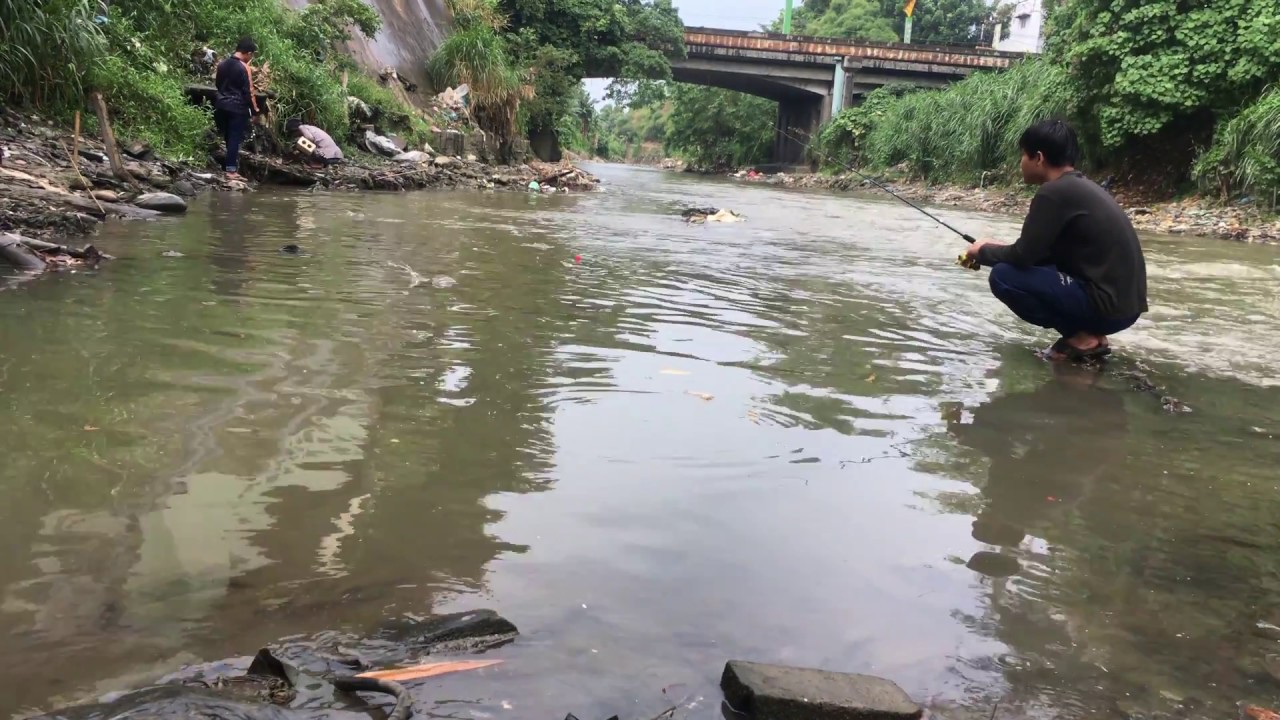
161	202
777	692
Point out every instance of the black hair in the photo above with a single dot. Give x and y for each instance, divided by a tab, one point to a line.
1055	139
246	45
292	125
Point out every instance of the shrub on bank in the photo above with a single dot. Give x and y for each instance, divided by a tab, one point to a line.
966	133
1245	156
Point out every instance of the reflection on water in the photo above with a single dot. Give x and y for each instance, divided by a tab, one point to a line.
806	438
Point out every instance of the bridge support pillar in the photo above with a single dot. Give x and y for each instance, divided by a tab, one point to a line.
797	125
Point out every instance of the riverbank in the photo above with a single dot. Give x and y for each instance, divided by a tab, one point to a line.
45	195
1197	216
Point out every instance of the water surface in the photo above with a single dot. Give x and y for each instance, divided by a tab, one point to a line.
808	438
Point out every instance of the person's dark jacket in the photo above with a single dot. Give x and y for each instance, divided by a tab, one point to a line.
232	82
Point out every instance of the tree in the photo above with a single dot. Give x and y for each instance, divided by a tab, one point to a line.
940	21
1141	66
716	128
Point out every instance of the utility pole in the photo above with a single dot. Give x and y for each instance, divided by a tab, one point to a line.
906	29
786	18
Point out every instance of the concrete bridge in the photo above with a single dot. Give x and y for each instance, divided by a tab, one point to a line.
812	79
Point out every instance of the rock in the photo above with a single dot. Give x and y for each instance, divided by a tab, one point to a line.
413	156
139	151
471	157
776	692
136	169
93	155
161	202
442	160
105	196
79	183
184	188
159	181
993	564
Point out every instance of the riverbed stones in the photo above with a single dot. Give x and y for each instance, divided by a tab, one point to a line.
413	156
105	196
184	187
161	202
778	692
443	160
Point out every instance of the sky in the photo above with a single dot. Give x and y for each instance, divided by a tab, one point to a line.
726	14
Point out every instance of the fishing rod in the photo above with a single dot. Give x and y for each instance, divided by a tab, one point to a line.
963	260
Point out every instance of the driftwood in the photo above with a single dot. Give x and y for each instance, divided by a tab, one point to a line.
109	138
92	207
16	253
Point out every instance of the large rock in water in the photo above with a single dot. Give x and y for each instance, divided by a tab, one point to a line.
777	692
161	202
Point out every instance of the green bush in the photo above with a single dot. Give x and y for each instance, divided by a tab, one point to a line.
46	48
970	130
839	144
1245	155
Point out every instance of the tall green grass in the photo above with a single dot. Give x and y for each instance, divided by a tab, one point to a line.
477	54
46	49
1245	155
966	133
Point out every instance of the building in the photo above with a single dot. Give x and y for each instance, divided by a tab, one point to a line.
1026	27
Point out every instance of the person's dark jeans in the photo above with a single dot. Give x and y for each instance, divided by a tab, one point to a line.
232	127
1051	299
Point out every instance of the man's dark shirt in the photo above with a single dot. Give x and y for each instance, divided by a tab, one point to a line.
1077	226
232	81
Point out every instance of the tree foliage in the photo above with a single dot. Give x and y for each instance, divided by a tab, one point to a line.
933	21
564	41
1139	66
719	129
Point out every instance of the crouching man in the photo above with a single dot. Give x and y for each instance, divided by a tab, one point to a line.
326	150
1078	267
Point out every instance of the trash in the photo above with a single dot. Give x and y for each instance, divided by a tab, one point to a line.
700	395
534	186
725	216
413	156
670	371
358	108
376	143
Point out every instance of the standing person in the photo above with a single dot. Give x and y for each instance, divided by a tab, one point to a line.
327	151
1078	267
235	104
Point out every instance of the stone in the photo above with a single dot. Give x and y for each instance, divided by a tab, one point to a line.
139	151
93	155
442	160
160	181
471	157
413	156
105	196
79	183
184	188
161	202
777	692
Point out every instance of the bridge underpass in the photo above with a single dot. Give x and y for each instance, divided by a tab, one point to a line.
812	79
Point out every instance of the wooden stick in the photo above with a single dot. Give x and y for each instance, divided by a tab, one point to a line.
75	166
75	146
109	138
418	672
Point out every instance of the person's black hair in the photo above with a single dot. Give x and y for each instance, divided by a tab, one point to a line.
292	125
246	45
1056	139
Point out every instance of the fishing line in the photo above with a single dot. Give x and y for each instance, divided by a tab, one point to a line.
964	260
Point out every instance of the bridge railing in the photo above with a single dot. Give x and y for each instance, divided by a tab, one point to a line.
805	43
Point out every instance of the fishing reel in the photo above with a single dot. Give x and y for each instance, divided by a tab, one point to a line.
968	262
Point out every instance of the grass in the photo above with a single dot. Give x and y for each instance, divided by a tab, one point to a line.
969	131
1245	156
46	48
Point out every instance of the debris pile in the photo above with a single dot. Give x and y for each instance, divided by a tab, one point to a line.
698	216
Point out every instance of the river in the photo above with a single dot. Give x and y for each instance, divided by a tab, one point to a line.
807	438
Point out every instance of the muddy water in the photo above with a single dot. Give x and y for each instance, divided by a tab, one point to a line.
808	438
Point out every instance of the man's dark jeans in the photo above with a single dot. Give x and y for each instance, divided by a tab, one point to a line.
1051	299
232	126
